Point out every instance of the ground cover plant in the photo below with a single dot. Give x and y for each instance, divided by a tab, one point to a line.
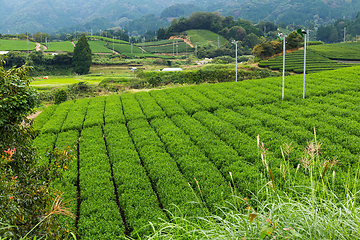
176	157
294	62
16	45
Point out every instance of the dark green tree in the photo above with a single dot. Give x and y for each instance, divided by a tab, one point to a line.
82	56
161	34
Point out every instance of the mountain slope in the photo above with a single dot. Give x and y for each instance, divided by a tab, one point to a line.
49	15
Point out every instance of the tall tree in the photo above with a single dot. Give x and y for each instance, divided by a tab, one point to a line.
82	56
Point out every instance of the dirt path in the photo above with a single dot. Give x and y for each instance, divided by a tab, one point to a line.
73	43
34	115
39	46
185	40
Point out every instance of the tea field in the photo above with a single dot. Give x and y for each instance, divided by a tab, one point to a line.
339	51
19	45
294	62
186	149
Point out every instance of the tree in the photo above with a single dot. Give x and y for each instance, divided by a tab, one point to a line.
294	40
82	56
161	34
250	40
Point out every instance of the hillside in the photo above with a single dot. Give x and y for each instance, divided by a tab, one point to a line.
205	38
48	16
139	154
51	15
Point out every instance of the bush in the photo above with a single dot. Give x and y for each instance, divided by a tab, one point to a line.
223	60
60	96
26	188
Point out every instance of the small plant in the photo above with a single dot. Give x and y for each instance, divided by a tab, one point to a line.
60	96
287	213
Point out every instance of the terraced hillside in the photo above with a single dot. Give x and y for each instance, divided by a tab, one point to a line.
294	62
139	154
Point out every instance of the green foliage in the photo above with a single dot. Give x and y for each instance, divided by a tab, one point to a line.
60	96
223	60
142	152
15	59
82	56
180	10
17	99
294	40
203	75
25	180
145	23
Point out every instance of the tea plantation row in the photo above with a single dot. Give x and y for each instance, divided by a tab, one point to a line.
188	149
294	62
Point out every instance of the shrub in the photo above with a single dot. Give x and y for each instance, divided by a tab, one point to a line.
60	96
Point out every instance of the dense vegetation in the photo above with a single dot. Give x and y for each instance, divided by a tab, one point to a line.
178	145
29	204
332	33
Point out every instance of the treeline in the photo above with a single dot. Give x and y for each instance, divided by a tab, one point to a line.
335	32
41	64
228	27
245	32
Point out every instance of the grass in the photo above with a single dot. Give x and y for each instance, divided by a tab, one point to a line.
43	84
204	37
312	211
16	45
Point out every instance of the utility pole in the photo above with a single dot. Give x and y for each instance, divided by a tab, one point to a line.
113	43
344	33
177	48
173	48
218	42
195	53
235	42
283	74
305	33
27	36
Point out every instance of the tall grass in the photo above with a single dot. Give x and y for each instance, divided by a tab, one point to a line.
310	209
